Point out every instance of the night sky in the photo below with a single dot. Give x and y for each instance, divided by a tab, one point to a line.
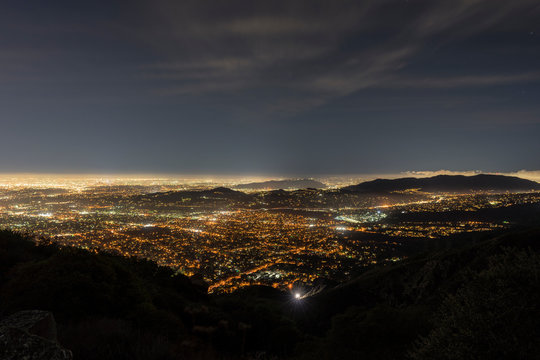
269	87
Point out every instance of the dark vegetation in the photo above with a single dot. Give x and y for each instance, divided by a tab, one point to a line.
219	193
479	299
522	214
452	304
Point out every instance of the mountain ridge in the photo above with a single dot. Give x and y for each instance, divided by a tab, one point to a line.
448	183
282	184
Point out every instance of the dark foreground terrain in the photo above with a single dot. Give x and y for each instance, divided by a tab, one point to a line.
476	300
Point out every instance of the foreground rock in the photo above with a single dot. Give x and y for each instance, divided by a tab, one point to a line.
30	335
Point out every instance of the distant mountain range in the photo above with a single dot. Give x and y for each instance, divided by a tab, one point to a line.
282	184
273	194
447	183
219	193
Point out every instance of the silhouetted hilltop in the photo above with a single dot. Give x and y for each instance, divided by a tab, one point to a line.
522	214
112	307
106	306
219	193
439	305
283	184
447	183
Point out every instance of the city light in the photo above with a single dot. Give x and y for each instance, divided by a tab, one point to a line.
302	237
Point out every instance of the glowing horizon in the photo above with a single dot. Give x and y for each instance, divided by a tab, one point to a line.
96	179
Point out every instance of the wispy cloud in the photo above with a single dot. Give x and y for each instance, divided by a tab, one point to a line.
323	50
464	81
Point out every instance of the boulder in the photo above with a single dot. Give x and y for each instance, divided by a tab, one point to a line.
30	335
36	322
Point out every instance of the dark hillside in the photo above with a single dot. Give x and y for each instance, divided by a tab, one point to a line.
386	311
220	193
462	302
111	307
282	184
100	301
447	183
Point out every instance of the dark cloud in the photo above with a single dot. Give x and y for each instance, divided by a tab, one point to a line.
322	50
270	76
466	81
